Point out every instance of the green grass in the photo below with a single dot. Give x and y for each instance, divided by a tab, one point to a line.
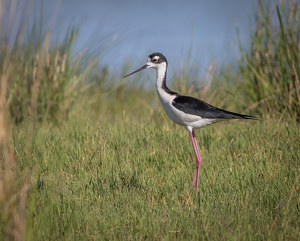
123	180
87	156
269	65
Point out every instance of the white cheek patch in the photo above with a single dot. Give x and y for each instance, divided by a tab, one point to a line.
150	64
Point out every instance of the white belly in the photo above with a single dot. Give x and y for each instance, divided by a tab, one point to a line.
179	117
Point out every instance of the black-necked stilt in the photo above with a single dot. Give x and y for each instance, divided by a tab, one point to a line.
187	111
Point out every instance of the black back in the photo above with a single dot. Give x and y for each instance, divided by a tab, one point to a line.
194	106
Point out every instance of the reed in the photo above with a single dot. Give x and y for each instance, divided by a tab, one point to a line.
270	65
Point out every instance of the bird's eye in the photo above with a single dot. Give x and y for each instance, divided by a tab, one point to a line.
155	60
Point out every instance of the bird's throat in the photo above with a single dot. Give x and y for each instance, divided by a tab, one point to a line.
161	80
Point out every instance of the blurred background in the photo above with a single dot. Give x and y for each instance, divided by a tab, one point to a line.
131	30
239	55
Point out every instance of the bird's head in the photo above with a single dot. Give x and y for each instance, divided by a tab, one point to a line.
155	61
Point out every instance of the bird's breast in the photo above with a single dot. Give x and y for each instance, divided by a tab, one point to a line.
166	101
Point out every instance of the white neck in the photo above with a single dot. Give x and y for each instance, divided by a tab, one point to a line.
160	79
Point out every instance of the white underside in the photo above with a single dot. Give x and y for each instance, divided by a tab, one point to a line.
190	122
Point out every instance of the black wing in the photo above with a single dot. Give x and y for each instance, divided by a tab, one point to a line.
194	106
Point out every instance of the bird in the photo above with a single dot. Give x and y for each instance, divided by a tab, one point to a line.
187	111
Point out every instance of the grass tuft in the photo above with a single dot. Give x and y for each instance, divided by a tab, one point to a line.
270	66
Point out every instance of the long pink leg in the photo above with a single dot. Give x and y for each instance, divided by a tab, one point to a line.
198	159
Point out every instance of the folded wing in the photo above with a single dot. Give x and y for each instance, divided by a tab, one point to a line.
194	106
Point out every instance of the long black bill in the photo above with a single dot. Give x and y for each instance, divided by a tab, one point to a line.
144	67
